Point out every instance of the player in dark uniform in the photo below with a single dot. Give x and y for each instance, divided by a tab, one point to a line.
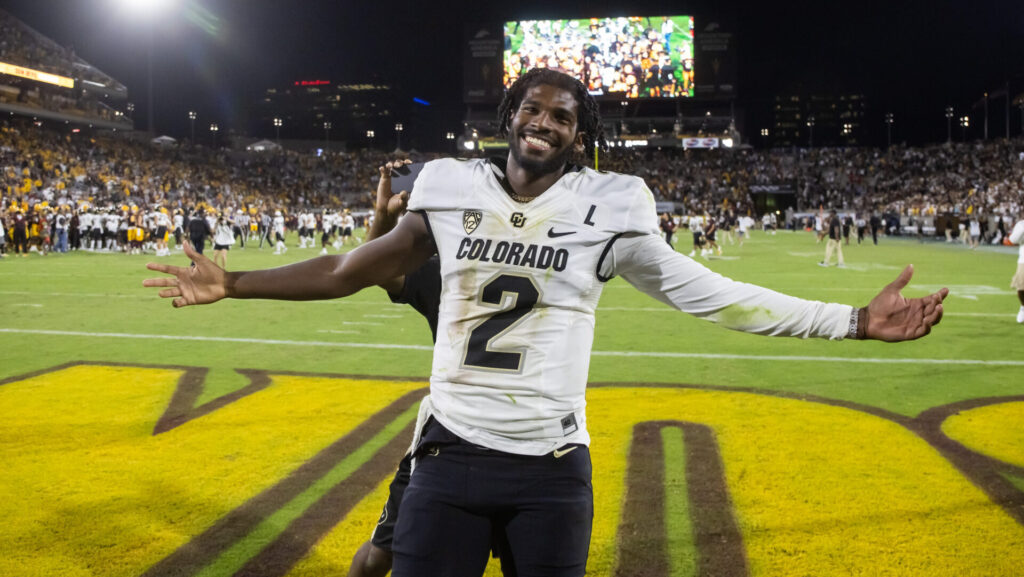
420	289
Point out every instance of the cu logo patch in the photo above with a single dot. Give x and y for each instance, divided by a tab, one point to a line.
517	219
122	469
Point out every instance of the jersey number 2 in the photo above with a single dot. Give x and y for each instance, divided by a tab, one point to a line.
524	294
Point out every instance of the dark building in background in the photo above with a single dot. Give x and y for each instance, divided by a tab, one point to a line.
339	114
818	120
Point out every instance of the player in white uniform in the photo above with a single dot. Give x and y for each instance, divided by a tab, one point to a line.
525	250
696	225
278	228
1017	237
347	225
163	224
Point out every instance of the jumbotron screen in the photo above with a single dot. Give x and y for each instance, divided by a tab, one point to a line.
625	57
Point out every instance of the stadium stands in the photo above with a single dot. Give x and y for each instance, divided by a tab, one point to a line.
89	95
77	170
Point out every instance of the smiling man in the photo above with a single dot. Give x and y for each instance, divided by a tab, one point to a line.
526	245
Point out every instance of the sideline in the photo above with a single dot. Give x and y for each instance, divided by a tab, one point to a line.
798	358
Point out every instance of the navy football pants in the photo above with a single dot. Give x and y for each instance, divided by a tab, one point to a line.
459	493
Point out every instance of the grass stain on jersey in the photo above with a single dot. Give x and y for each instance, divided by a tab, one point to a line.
739	316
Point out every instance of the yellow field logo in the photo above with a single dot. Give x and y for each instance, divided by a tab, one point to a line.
131	470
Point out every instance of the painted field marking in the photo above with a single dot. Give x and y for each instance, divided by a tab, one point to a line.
603	309
897	361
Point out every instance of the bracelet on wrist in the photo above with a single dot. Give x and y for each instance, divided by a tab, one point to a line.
858	324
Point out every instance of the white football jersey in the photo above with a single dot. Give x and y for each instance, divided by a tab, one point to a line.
520	284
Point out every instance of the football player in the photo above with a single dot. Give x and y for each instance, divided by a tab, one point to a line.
506	411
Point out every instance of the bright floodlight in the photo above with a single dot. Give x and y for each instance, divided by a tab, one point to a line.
145	8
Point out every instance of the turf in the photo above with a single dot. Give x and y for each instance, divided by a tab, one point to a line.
102	293
91	307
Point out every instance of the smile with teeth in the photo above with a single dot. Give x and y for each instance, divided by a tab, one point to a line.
537	143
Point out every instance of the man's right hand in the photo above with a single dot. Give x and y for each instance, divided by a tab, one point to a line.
388	205
199	284
392	202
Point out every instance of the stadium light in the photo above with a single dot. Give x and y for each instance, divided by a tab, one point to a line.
213	134
888	127
949	124
277	127
965	123
145	8
149	12
398	135
327	132
192	121
810	128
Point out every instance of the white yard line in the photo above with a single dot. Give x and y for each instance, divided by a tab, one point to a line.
796	358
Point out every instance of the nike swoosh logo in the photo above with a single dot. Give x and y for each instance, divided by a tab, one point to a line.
553	234
559	454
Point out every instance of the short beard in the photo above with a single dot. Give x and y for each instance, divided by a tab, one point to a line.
538	167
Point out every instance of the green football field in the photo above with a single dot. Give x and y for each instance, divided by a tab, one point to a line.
835	457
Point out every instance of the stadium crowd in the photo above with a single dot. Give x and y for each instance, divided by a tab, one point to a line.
631	57
57	187
22	46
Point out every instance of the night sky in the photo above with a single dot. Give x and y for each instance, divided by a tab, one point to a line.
909	57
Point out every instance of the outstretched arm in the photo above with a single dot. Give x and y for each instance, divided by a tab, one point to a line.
650	265
892	317
326	277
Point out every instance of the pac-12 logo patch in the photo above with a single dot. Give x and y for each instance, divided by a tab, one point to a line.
471	219
518	220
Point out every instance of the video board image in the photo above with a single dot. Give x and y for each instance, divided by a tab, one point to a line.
624	57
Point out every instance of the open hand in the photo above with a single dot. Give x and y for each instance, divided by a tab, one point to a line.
893	317
394	203
199	284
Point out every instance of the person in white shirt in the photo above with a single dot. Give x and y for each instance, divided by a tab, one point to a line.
163	223
696	224
179	227
743	226
347	225
223	238
526	246
112	221
1017	237
277	227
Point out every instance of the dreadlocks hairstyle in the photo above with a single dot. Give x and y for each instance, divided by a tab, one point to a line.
589	116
